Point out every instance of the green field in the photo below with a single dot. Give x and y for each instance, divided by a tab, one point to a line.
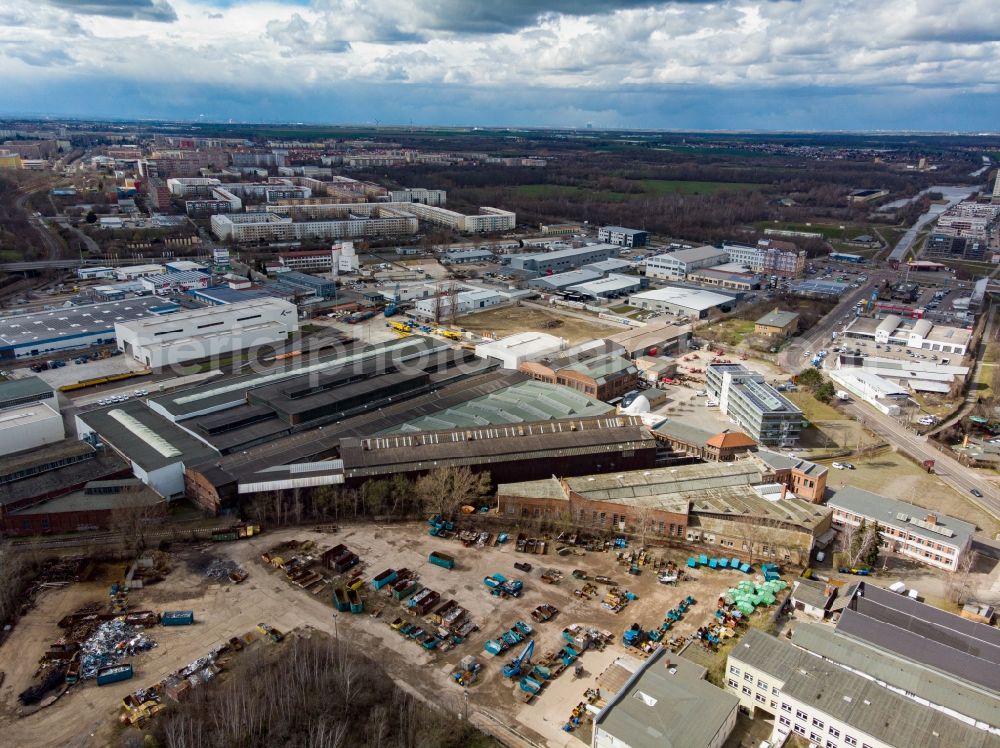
670	186
828	230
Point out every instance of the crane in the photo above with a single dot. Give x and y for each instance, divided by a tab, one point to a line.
393	306
513	668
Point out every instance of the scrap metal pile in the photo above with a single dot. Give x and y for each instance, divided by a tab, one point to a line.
112	642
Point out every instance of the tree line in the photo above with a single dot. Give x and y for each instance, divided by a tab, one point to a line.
314	692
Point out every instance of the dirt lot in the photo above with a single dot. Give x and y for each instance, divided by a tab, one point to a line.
84	716
508	320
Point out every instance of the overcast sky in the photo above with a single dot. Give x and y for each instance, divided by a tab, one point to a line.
783	65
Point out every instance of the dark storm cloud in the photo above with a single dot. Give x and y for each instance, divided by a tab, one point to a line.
137	10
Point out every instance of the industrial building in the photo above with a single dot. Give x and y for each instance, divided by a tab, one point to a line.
134	272
665	702
916	334
169	283
812	288
603	376
753	405
15	393
893	672
512	351
912	532
562	281
623	237
30	426
72	328
710	504
905	374
694	303
724	277
156	449
653	339
445	306
91	507
562	260
463	256
724	446
877	391
523	402
320	287
204	333
677	265
30	477
612	287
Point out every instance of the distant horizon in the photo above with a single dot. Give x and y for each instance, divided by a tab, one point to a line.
402	126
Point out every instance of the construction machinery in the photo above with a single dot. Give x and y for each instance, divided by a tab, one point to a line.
393	305
449	334
513	668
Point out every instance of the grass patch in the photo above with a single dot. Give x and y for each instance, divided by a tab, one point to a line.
671	186
308	329
828	230
729	331
813	409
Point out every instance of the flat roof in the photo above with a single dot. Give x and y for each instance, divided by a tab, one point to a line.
74	321
690	298
226	295
569	278
26	415
607	266
145	437
779	461
142	324
611	283
695	254
623	230
821	287
925	634
526	343
177	276
900	515
13	390
231	391
651	333
560	254
667	702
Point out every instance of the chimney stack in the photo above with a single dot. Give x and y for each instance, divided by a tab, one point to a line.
931	519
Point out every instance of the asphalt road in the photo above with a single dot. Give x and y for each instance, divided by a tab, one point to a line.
818	336
952	472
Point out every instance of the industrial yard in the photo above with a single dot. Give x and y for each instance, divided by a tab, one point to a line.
571	325
223	609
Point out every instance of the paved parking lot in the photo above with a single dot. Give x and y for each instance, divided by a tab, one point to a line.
72	373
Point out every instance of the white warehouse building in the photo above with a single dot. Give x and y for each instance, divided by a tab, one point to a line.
465	301
190	336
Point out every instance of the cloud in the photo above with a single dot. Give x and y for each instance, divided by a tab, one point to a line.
619	62
137	10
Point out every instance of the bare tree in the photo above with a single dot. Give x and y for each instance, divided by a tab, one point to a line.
960	584
133	519
447	488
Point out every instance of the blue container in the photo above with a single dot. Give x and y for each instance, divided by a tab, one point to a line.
114	674
177	618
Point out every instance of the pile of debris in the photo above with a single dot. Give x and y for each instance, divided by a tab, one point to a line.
222	569
112	642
